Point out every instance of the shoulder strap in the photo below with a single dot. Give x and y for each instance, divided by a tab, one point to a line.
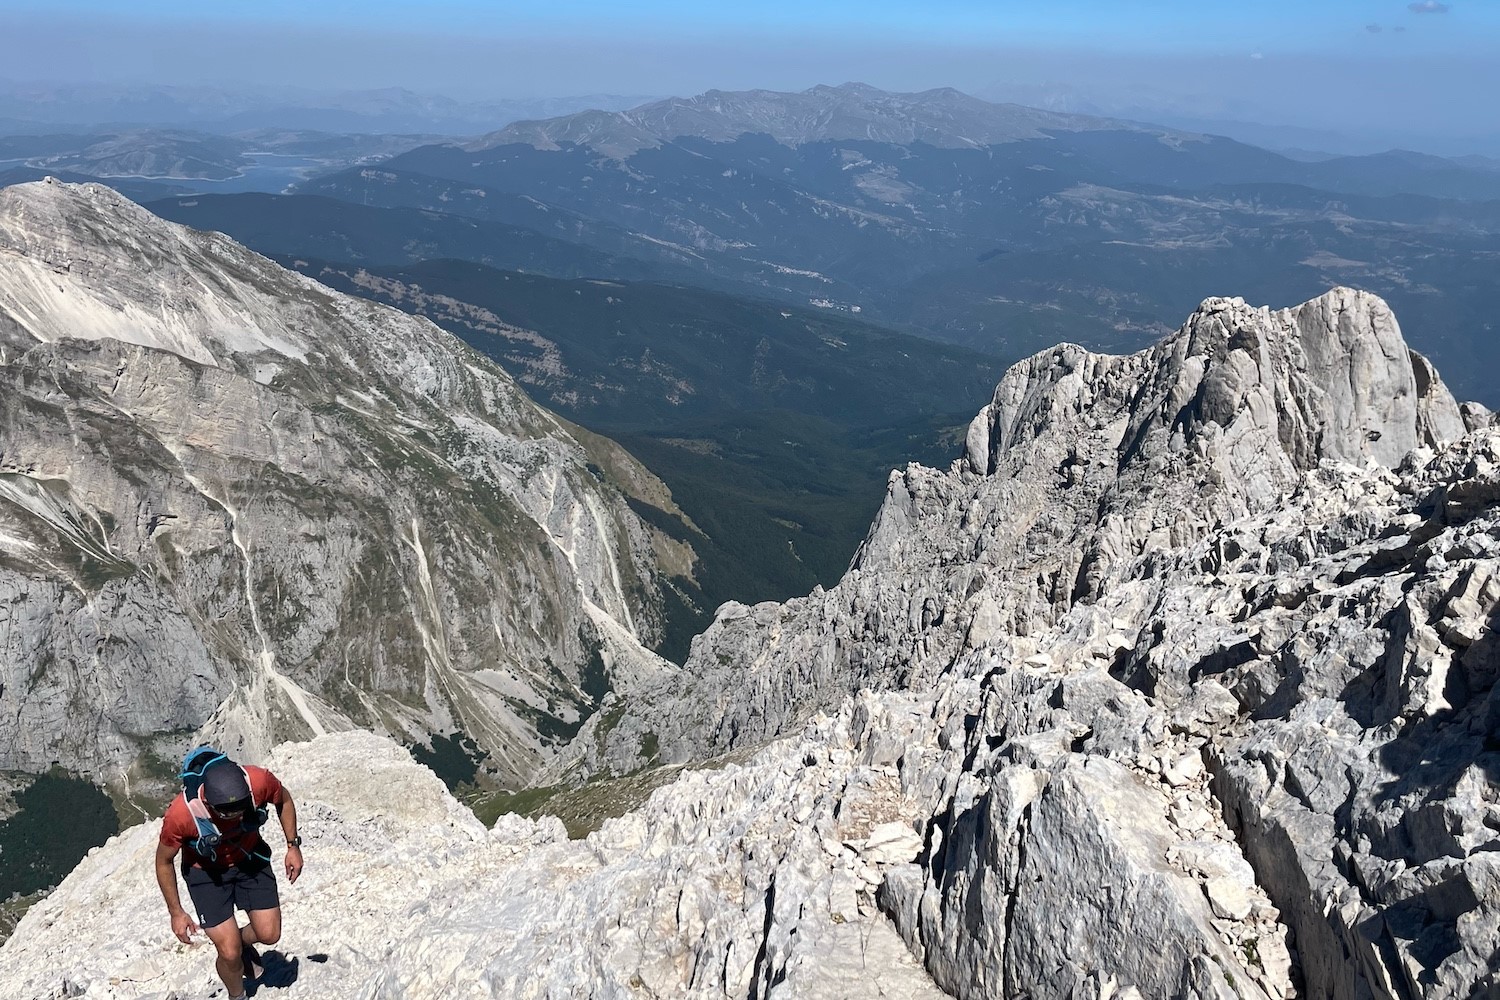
258	814
206	844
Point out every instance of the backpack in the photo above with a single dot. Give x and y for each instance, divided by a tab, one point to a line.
210	836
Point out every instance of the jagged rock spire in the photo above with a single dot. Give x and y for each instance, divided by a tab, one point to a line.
1270	394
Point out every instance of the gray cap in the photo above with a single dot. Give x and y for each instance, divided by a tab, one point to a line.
224	783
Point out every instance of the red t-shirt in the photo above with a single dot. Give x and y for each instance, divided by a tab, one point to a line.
179	829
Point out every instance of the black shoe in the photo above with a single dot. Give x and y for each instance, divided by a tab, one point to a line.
254	967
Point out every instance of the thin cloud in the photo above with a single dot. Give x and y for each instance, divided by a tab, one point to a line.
1429	7
1374	29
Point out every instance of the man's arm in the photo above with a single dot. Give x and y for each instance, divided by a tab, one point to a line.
287	811
166	878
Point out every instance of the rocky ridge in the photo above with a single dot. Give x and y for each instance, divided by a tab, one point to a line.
234	500
1179	683
1205	553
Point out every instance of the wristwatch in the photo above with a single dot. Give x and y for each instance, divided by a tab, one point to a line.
294	842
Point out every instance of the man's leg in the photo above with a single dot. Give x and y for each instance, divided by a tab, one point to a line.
213	898
264	928
257	895
228	964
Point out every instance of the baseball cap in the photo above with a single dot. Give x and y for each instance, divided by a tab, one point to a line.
224	784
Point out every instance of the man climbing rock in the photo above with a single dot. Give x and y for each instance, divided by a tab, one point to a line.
215	824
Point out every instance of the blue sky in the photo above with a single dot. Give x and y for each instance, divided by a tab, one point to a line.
1106	23
1350	64
1116	24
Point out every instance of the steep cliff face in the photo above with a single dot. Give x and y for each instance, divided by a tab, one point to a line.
231	497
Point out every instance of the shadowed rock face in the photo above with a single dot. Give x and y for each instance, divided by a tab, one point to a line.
232	498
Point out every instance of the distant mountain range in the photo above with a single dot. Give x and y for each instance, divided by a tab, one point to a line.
993	226
948	119
51	107
179	157
944	117
156	153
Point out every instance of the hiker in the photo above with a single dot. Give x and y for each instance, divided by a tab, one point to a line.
215	823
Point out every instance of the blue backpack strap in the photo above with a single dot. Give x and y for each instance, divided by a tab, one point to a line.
206	844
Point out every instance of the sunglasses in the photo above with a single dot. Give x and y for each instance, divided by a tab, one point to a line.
231	809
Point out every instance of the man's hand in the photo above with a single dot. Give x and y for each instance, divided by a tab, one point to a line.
293	863
166	880
183	926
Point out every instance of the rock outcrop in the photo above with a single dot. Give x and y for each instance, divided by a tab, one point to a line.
233	499
1181	682
1077	474
1265	550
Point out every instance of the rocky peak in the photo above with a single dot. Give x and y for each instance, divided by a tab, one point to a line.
1256	560
84	262
1264	395
1331	379
1082	465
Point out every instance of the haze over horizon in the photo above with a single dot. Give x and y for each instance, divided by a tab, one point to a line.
1376	73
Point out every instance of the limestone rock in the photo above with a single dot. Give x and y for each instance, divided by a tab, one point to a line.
1229	898
711	889
889	843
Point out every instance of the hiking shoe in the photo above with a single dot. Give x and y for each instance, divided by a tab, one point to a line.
254	967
